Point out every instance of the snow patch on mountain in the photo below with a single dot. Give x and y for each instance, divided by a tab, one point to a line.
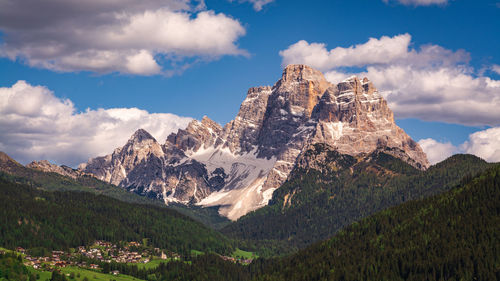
246	175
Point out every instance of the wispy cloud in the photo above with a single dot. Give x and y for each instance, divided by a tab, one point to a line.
257	4
419	2
496	68
430	83
37	125
134	37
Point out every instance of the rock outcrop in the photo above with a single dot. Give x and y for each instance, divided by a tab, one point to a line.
238	166
354	118
46	166
242	133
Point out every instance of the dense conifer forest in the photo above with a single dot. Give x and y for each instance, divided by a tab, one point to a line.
31	218
56	182
316	203
451	236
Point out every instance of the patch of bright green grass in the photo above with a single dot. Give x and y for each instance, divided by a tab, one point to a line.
244	254
196	253
5	250
151	264
80	274
44	275
94	275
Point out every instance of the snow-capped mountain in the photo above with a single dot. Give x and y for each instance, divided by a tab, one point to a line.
238	166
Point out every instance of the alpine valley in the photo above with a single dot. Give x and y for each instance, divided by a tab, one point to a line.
310	181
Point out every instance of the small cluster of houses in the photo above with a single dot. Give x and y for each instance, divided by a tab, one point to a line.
108	252
237	260
100	250
56	259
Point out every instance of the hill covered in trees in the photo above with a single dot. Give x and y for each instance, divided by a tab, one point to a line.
451	236
55	182
332	190
31	218
51	181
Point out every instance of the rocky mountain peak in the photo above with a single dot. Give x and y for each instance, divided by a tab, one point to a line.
141	144
299	89
211	125
238	166
241	133
301	72
4	158
197	135
354	118
350	101
256	91
46	166
141	135
7	163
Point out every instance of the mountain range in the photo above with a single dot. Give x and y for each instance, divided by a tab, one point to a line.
304	161
239	166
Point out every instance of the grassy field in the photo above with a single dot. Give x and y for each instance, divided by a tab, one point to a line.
152	264
244	254
93	275
81	273
44	275
196	253
5	250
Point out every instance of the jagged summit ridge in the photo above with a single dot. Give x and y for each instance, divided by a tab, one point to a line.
239	166
140	135
46	166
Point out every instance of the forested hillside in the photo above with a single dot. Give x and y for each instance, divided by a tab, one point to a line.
59	220
330	194
452	236
56	182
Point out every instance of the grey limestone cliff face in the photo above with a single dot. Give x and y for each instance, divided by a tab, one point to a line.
148	168
238	166
197	135
242	133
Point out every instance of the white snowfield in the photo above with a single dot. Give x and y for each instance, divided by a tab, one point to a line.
246	173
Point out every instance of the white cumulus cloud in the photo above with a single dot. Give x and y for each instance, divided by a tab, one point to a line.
135	37
437	151
484	144
419	2
38	125
375	51
430	83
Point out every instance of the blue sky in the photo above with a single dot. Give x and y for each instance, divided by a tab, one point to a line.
213	81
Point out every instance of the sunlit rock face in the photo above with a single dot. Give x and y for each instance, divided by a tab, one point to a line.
354	118
238	166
